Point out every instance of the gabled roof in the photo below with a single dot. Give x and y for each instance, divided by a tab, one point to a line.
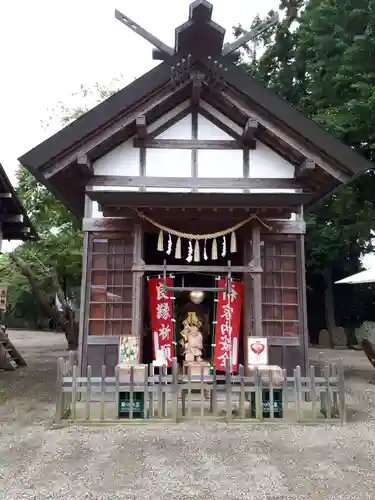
15	223
226	87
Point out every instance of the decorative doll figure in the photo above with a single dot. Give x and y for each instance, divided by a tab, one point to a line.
193	345
191	338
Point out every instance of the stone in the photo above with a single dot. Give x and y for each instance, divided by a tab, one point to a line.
339	337
324	338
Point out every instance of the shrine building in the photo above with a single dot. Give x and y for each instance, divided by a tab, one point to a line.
192	183
14	221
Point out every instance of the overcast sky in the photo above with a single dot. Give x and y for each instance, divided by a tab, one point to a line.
49	48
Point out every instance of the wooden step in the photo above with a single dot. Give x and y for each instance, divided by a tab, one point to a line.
10	358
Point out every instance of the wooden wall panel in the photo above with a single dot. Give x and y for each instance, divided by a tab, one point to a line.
275	356
280	307
110	291
111	359
109	297
95	358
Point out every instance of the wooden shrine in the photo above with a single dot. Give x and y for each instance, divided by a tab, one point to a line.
197	176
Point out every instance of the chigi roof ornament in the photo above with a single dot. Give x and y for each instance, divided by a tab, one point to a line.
198	36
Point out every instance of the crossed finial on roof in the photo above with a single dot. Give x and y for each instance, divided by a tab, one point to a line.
199	31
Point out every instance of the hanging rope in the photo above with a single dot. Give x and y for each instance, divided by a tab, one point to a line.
194	251
209	236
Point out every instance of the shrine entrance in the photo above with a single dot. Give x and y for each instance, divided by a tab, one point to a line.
195	297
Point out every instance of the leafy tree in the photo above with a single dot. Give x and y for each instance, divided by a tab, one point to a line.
320	58
38	272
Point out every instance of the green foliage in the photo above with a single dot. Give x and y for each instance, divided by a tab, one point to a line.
60	244
320	58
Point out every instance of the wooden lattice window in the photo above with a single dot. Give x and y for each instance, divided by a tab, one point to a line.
110	287
279	288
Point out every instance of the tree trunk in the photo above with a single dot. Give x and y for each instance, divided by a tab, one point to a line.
65	318
329	306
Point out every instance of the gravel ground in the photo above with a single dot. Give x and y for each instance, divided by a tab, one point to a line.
201	461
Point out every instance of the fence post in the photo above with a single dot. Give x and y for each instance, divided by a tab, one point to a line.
285	392
164	393
189	399
102	393
270	389
88	392
242	391
327	396
341	377
117	392
214	392
313	391
131	393
297	392
202	391
228	389
151	393
74	392
174	390
71	360
145	393
160	389
59	390
258	395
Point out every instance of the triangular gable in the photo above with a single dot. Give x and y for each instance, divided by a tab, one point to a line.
210	124
224	86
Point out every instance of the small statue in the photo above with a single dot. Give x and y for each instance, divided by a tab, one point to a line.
193	345
192	339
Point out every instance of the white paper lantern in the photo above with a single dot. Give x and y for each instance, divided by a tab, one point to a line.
196	297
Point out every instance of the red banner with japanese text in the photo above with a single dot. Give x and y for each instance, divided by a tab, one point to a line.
227	327
161	309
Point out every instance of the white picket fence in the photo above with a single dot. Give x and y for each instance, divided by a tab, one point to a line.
173	396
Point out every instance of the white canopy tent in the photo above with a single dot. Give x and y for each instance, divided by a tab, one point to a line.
367	276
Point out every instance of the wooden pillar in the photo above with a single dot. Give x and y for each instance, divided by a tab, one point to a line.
84	303
257	283
302	302
137	309
248	300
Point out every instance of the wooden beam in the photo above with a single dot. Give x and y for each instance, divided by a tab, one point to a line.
115	127
111	198
287	136
141	126
85	163
257	282
196	91
186	144
280	226
15	230
11	218
165	49
249	131
108	224
193	183
196	268
305	168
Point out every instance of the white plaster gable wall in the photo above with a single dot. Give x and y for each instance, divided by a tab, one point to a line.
168	163
265	163
125	159
220	163
208	131
180	130
122	160
168	116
